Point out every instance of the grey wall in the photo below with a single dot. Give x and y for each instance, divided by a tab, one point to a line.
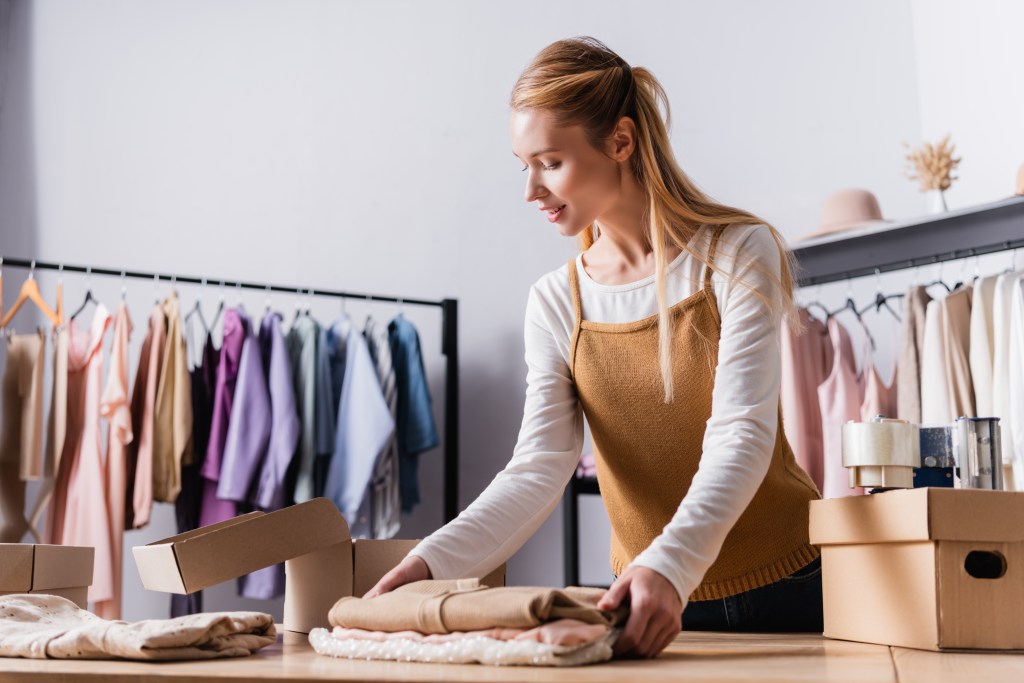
364	146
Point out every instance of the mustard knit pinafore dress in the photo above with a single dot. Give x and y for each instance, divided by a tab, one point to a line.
647	451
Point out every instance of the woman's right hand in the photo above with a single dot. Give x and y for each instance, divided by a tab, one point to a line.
412	568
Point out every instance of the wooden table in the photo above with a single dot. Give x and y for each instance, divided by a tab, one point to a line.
694	656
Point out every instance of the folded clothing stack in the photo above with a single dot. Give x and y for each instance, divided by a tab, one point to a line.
464	622
46	626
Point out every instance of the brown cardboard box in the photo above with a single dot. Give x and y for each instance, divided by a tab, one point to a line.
929	568
56	569
322	563
79	595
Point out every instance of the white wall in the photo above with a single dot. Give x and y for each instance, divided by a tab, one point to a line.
364	146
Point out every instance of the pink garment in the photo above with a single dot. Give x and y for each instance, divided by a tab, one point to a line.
840	398
81	511
558	632
806	362
140	454
956	330
116	407
879	399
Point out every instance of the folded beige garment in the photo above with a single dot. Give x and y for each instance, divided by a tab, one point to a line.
42	626
465	605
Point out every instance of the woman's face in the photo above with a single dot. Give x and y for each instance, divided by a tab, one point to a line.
569	180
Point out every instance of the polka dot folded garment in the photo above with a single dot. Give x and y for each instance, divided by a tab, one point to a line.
48	626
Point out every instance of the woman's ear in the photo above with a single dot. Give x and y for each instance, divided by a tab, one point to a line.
622	141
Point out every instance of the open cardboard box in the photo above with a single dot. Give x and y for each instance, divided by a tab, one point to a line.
62	570
929	568
322	562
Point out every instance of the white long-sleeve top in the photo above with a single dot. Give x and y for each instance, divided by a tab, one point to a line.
738	441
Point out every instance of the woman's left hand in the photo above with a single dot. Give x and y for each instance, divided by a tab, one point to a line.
655	612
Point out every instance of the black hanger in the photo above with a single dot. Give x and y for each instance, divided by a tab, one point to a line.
298	306
852	307
220	308
197	310
88	294
88	297
882	301
819	305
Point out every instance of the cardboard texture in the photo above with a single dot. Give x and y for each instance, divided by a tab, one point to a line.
28	567
79	595
322	563
929	568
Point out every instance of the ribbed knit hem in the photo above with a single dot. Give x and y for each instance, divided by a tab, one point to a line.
778	570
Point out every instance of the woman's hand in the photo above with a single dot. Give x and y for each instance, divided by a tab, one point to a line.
412	568
655	612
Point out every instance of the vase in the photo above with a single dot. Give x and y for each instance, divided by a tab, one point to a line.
936	201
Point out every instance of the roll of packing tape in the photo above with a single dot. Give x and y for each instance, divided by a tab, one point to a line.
881	453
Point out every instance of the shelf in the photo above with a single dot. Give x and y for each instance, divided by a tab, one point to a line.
962	233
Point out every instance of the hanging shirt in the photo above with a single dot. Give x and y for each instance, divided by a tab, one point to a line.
269	582
908	393
956	331
56	424
415	425
326	412
249	431
1005	347
172	438
982	351
935	408
1016	464
214	509
139	494
806	361
364	425
841	396
116	408
285	423
383	496
203	358
302	351
81	508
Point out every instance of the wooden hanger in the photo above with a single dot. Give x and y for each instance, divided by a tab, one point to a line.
30	292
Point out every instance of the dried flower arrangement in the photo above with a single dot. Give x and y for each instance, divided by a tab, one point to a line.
933	165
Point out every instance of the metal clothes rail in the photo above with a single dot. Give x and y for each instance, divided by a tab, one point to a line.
449	343
963	233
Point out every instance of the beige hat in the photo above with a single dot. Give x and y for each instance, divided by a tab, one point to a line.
847	210
1020	180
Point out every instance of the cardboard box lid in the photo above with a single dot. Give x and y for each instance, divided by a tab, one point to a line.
925	514
26	567
210	555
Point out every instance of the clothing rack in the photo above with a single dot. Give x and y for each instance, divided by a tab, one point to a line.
449	343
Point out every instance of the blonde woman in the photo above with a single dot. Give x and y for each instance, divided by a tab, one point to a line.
664	333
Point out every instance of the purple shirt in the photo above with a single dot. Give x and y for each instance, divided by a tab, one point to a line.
249	428
213	509
284	422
